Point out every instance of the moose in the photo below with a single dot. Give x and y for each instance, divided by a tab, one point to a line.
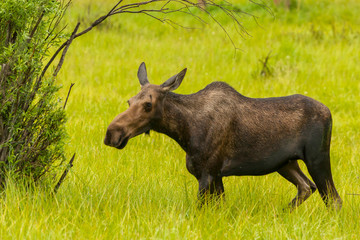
225	133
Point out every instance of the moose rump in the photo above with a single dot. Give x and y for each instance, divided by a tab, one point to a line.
225	133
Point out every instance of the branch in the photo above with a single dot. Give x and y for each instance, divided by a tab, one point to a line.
265	71
53	26
61	61
185	8
70	164
97	22
72	84
353	194
186	4
36	26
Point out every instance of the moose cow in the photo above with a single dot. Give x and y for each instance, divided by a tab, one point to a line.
225	133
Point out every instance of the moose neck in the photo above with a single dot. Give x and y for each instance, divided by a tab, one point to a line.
177	112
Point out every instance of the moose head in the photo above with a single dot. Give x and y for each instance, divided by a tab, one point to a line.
144	108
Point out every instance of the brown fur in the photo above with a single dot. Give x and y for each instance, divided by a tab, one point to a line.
225	133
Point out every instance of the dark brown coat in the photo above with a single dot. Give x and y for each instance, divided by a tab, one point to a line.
225	133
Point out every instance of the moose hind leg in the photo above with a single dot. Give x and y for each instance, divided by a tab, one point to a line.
320	171
305	187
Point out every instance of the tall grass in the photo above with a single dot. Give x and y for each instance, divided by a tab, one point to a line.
145	191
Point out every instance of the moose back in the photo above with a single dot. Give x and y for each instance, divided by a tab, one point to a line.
225	133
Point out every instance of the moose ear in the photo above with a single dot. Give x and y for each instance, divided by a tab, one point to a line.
174	82
142	75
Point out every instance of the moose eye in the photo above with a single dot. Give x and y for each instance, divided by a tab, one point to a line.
147	106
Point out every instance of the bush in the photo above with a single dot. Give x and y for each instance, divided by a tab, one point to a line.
32	130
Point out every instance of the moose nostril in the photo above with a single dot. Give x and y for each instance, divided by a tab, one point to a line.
107	139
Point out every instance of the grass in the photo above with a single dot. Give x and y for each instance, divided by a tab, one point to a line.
145	191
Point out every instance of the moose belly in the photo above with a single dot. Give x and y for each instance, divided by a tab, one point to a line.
258	164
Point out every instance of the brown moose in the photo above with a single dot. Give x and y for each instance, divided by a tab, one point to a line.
225	133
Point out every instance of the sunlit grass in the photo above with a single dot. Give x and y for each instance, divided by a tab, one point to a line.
145	191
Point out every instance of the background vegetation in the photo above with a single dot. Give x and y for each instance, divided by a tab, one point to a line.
145	191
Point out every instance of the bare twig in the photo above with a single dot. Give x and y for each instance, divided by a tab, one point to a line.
67	97
353	194
53	26
130	8
264	6
70	164
61	61
265	71
36	26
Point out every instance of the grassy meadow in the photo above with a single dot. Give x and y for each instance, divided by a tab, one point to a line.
144	191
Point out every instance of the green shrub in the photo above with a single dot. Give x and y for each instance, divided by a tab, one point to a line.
32	130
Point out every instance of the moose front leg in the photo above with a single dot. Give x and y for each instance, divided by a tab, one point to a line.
210	185
210	188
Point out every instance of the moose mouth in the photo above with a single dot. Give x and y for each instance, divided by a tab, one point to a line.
122	143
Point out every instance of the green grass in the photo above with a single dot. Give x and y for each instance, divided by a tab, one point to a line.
145	191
